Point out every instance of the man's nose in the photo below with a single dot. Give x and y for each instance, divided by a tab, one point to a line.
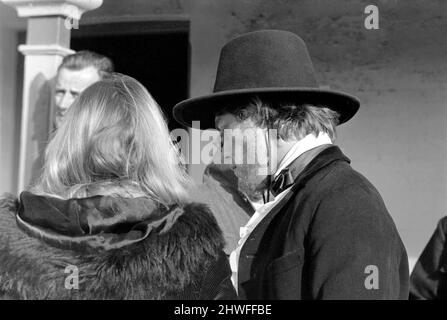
64	103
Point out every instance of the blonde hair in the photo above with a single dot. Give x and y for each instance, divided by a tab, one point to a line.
114	131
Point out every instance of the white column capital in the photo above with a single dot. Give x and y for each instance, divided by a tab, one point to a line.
45	49
44	8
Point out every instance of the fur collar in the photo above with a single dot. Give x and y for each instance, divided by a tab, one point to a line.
159	266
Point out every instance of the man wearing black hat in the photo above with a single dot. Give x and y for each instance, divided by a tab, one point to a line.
322	230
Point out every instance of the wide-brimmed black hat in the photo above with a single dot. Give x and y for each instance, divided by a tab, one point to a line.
270	64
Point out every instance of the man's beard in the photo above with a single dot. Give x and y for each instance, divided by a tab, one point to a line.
251	182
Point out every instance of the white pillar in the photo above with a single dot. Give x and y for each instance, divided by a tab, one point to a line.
47	42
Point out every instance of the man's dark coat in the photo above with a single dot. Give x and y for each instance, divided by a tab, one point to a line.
330	237
429	277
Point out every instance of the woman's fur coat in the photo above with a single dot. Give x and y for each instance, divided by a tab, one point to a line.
184	262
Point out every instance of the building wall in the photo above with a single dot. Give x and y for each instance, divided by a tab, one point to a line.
399	72
10	96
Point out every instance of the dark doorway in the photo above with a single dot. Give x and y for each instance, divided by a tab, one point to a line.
154	53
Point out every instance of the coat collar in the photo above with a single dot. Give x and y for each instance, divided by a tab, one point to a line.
305	166
323	159
329	155
93	223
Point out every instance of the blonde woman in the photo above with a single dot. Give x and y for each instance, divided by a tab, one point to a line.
110	217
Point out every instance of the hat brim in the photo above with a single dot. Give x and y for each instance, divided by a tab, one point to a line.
205	108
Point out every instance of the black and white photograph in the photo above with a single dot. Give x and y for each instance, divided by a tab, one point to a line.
231	150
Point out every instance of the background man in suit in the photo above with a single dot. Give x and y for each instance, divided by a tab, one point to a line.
323	231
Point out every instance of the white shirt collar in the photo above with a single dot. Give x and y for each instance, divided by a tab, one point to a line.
307	143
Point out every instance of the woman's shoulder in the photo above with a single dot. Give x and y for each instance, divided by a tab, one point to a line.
9	205
198	214
197	224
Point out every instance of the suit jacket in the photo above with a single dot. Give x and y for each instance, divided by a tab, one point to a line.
429	277
330	237
118	248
